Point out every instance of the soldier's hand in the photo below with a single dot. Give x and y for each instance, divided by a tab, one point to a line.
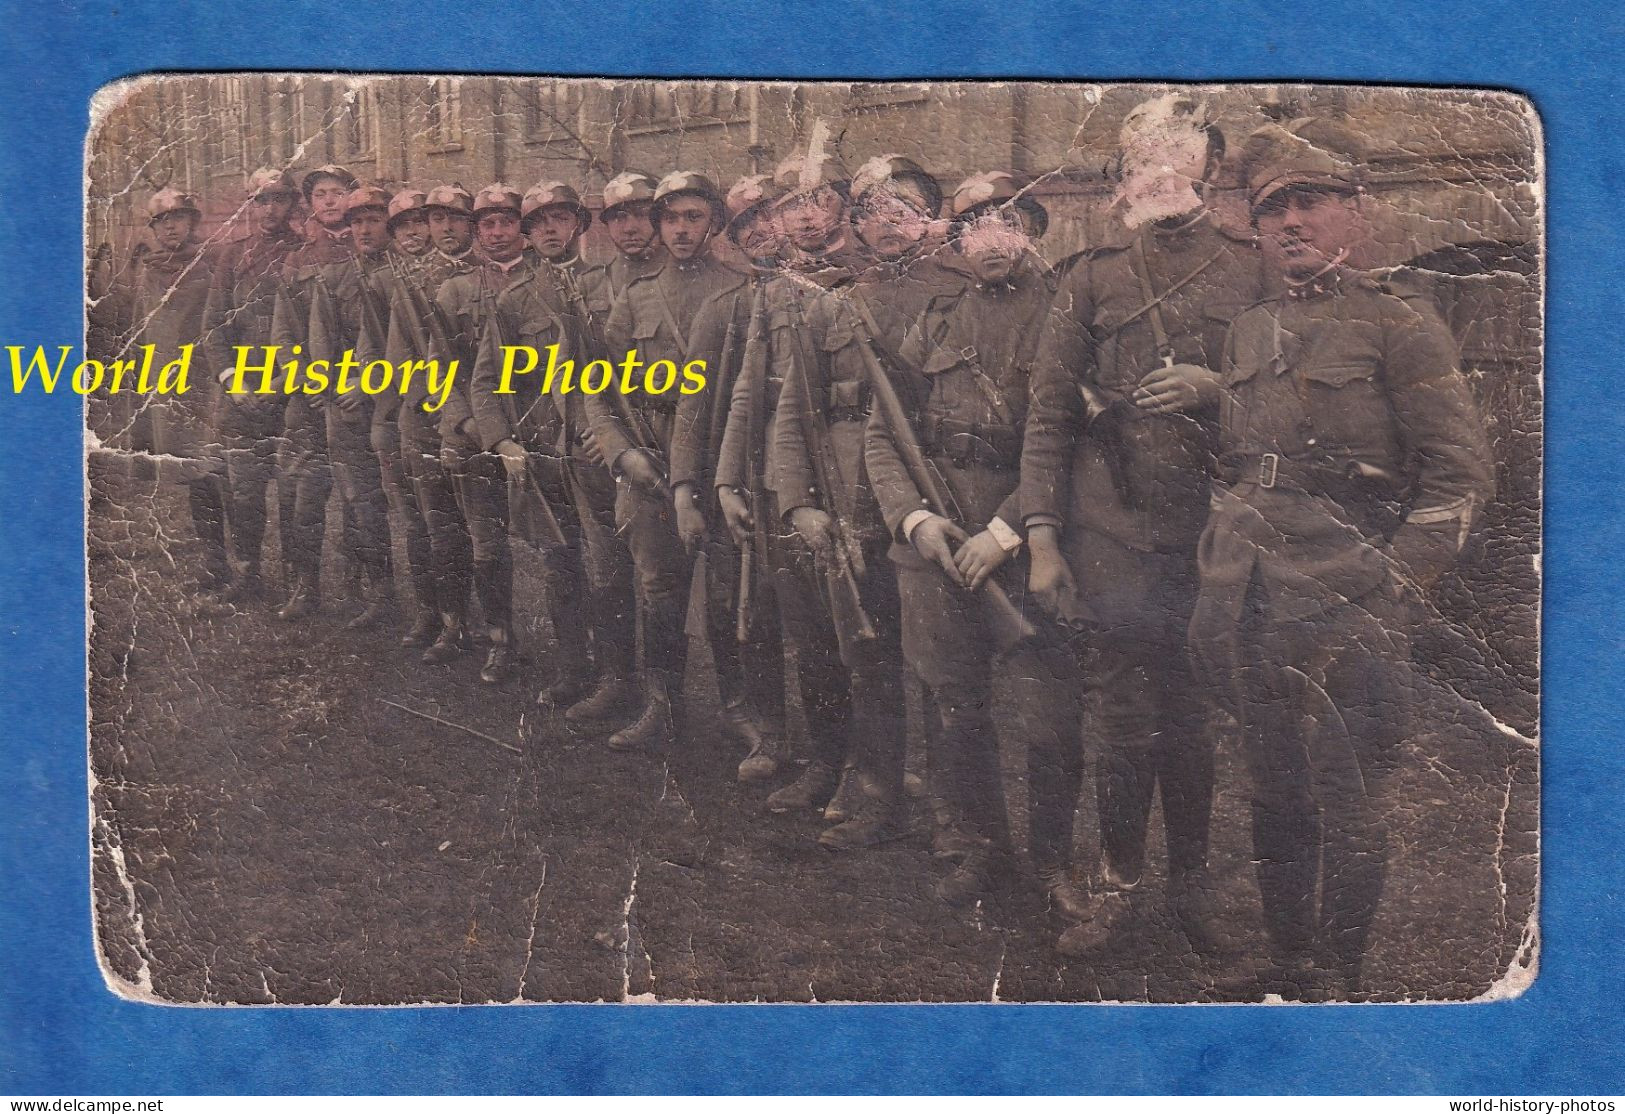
1169	390
514	458
934	539
590	442
816	528
1050	580
690	522
736	515
349	401
640	470
979	558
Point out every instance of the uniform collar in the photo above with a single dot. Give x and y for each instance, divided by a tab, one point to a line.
1330	281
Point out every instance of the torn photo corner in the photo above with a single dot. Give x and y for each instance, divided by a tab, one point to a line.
582	540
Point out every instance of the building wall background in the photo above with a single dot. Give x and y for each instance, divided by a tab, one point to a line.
1452	167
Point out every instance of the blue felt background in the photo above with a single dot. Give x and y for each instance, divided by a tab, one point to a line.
61	1032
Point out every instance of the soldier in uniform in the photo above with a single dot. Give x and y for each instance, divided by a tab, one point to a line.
626	215
409	225
467	300
830	313
1353	466
242	296
655	315
713	451
304	479
412	256
448	210
964	371
171	288
554	220
611	600
1114	487
813	212
358	292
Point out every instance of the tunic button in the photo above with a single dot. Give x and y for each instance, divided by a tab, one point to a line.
1311	441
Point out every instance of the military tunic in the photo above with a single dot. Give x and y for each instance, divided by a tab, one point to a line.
432	514
304	477
826	366
1129	493
1344	423
361	290
467	300
967	366
655	314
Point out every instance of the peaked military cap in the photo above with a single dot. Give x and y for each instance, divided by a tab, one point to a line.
1305	152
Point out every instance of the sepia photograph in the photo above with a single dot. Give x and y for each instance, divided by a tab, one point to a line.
710	541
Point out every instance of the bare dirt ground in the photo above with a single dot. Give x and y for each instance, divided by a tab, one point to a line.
266	830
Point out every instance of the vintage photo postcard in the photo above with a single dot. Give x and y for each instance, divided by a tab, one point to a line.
640	541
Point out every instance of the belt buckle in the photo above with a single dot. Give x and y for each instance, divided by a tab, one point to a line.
1269	467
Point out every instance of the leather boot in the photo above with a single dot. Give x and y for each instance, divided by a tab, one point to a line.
654	729
567	688
846	799
1193	900
379	596
302	604
873	821
1104	929
500	660
450	645
974	879
248	588
810	791
424	629
762	763
1067	899
612	698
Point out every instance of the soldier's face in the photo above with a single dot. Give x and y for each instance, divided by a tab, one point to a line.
1165	166
631	230
891	225
411	233
500	237
327	202
1302	232
812	220
451	231
554	230
994	244
369	230
758	235
685	226
272	210
172	229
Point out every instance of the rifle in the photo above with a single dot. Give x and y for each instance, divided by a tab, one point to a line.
528	508
852	624
641	435
1009	626
755	354
324	326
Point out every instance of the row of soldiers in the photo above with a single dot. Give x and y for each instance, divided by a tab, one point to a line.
1192	468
